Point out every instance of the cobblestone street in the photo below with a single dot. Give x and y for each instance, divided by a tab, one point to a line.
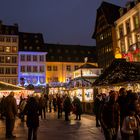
54	129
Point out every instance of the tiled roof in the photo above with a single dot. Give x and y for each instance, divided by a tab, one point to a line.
70	53
31	42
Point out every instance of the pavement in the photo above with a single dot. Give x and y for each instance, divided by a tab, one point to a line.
58	129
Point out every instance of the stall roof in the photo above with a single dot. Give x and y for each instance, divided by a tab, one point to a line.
120	71
7	86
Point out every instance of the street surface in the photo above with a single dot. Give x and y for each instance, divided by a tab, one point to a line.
58	129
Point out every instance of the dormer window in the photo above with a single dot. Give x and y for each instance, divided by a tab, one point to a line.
121	10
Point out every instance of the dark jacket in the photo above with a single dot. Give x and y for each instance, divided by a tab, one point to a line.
10	107
32	112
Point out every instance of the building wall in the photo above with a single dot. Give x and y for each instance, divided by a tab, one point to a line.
128	42
33	71
64	71
9	58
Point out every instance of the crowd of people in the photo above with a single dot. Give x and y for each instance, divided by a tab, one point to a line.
33	108
118	114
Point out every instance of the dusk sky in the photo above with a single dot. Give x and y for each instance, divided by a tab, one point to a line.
60	21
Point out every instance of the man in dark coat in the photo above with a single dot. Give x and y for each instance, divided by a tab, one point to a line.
10	107
67	107
32	112
77	107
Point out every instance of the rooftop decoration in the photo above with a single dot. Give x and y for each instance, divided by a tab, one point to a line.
120	71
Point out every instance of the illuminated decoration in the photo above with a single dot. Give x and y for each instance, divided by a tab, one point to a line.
118	53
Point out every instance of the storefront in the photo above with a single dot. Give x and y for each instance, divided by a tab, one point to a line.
81	85
6	88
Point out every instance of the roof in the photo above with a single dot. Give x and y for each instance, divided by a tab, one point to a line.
109	11
7	86
8	29
70	53
87	66
119	72
31	42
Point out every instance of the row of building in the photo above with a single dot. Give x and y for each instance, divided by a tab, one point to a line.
26	59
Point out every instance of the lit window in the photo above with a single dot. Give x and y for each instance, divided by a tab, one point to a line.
76	67
7	49
30	48
68	68
7	59
14	49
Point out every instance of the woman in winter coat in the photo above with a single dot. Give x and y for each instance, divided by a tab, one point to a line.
32	112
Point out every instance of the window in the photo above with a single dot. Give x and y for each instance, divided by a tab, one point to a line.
121	32
14	59
22	57
14	49
7	59
35	69
8	39
7	49
7	71
1	49
1	70
58	50
129	41
68	68
28	57
122	45
41	58
138	37
1	39
30	47
29	69
76	67
69	58
49	68
38	48
14	39
34	57
136	21
128	29
55	68
22	68
66	51
14	70
1	59
41	69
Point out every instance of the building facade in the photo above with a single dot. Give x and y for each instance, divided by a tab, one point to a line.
9	42
104	33
128	32
32	58
62	60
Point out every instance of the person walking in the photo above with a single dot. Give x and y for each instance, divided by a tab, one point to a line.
67	107
32	112
10	107
77	107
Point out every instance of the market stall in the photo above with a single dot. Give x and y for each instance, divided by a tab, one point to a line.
6	88
81	85
119	74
